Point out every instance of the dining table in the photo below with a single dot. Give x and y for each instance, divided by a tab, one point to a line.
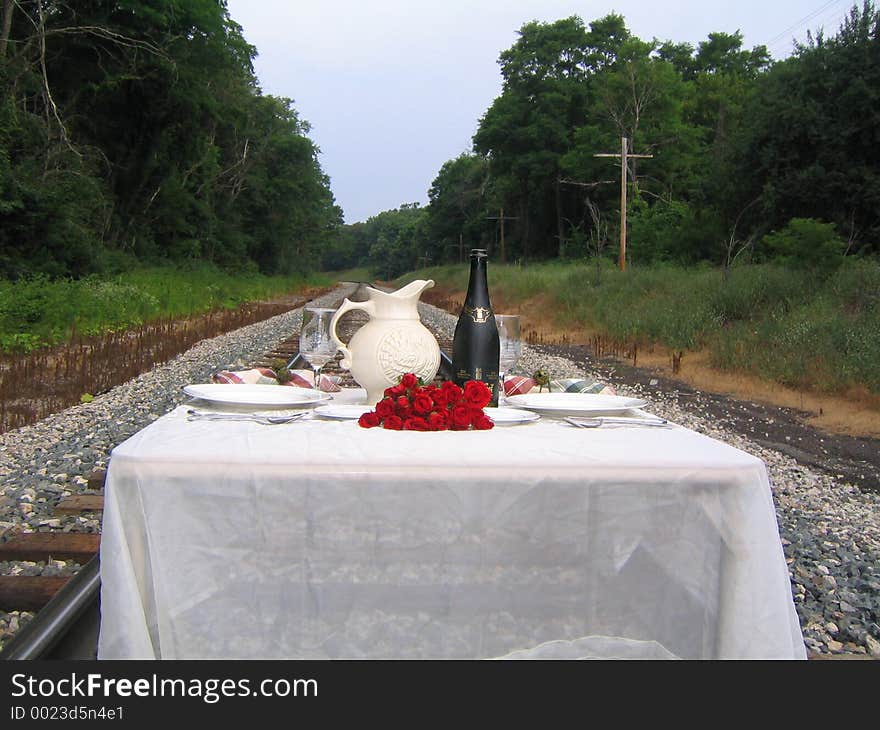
320	539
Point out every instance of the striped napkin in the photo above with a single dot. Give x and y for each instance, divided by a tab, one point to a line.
518	385
266	376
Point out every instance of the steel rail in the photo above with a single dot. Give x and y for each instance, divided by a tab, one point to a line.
67	626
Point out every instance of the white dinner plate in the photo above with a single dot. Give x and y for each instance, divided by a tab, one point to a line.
510	416
264	396
342	411
575	404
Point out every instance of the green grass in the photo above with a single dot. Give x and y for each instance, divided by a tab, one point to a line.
39	312
803	329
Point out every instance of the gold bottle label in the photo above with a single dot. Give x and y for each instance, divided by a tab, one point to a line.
480	315
487	377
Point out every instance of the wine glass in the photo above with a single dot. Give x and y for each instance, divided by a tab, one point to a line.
315	343
510	347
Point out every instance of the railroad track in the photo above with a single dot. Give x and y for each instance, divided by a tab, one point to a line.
67	607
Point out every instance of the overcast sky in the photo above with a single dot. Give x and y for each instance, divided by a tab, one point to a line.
395	88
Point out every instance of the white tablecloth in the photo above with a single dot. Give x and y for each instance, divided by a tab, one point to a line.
321	539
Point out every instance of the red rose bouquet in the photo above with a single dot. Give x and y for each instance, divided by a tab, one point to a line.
412	406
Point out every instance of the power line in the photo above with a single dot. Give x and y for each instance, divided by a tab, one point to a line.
838	16
830	20
802	21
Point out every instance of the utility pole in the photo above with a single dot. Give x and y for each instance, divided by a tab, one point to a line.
501	217
624	156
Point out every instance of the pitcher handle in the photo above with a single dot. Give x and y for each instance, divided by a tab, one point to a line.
347	306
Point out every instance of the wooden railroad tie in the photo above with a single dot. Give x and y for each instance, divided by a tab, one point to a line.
96	479
80	503
32	592
85	502
28	592
43	546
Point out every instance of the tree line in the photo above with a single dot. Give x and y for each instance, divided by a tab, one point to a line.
751	158
135	131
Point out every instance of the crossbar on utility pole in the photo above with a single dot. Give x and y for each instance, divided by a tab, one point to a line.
624	156
501	217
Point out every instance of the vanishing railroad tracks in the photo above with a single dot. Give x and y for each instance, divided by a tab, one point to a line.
67	607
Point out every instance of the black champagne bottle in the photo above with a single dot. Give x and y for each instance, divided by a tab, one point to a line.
475	345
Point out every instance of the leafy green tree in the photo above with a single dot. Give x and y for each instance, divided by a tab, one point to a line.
811	142
740	144
681	56
457	215
396	241
136	128
641	98
723	53
345	248
604	40
571	92
529	127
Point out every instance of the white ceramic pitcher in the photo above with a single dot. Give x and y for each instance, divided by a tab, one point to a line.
392	343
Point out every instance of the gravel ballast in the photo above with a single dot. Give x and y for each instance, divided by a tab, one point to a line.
830	529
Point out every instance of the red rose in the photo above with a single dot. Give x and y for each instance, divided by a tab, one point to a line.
422	404
440	397
477	393
483	422
395	391
385	408
452	391
402	406
416	424
409	380
369	420
460	417
394	423
475	413
438	420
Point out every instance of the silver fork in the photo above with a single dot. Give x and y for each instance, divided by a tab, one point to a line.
583	422
194	415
